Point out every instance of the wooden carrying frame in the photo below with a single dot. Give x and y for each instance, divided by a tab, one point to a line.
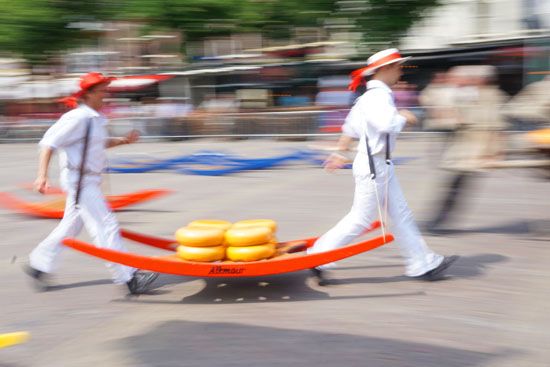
283	262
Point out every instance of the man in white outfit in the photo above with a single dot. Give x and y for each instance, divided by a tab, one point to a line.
80	137
375	121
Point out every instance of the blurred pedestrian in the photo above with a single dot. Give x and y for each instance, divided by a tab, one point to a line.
80	137
405	95
437	99
476	140
532	103
376	122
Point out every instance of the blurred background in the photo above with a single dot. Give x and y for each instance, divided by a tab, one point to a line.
248	67
271	71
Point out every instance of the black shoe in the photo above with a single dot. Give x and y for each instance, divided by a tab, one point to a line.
39	278
320	276
141	281
437	273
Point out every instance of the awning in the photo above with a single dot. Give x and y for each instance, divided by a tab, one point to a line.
136	82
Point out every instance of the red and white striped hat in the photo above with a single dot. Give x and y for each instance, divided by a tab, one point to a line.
376	61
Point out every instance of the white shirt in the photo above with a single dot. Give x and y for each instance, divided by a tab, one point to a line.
374	115
67	137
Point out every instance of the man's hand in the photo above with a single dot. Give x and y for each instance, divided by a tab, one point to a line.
335	161
41	184
409	116
132	136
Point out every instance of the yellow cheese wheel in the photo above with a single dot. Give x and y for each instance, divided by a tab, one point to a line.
257	223
250	236
211	223
199	236
540	137
251	253
203	254
7	340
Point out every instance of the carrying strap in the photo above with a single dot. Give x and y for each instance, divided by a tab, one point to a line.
388	154
371	160
83	163
369	152
383	218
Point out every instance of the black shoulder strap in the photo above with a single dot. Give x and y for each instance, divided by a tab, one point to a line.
371	160
388	154
83	163
369	153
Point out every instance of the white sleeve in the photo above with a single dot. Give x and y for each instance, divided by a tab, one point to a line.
355	122
66	131
385	116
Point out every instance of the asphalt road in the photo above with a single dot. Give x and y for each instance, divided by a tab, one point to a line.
491	311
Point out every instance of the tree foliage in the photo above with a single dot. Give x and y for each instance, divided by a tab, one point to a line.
390	19
33	28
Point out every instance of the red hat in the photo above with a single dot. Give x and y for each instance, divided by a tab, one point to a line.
69	101
86	82
91	79
375	62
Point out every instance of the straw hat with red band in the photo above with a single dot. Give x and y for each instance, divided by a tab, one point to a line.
375	62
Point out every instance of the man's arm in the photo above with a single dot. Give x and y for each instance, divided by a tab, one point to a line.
344	143
351	129
115	142
41	182
341	158
130	138
386	118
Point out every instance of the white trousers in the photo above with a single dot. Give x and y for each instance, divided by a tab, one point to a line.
419	258
100	223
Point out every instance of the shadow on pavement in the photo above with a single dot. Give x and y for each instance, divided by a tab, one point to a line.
145	210
169	279
89	283
162	280
521	227
370	267
291	287
475	265
465	267
190	344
